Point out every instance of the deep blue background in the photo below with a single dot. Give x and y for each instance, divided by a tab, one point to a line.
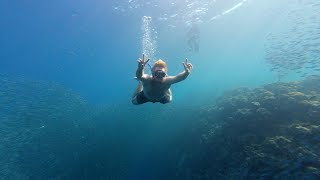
80	44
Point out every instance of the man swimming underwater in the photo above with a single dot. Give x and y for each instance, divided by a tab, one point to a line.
156	87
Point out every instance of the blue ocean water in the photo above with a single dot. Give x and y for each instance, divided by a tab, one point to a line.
84	45
67	71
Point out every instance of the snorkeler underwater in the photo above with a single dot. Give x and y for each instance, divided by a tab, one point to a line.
156	88
221	89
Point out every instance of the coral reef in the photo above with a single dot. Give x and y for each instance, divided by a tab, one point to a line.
268	132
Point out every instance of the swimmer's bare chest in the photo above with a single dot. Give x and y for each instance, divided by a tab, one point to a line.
155	90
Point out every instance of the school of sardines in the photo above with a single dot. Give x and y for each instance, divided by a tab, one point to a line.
297	48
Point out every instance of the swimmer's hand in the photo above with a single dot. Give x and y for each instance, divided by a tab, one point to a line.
181	76
187	66
142	62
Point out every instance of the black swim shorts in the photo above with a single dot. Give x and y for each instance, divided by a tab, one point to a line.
141	98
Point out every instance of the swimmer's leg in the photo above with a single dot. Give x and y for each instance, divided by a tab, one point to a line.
136	93
167	98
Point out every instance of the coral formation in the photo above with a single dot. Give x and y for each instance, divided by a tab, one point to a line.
268	132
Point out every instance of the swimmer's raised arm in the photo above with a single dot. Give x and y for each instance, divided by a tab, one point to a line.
181	76
140	70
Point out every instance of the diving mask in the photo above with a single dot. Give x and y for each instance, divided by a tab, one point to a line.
159	74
